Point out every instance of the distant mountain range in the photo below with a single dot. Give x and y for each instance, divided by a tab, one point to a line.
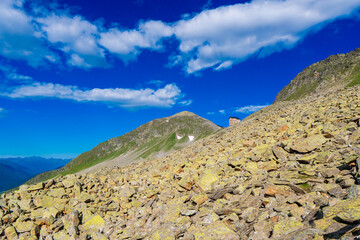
153	139
16	171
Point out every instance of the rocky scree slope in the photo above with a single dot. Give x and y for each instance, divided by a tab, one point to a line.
336	71
159	136
290	173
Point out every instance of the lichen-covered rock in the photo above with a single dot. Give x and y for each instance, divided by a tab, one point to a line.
199	199
207	180
350	215
35	187
214	231
23	226
11	233
305	145
286	227
95	223
163	234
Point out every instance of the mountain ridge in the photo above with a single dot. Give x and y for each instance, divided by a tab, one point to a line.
336	71
158	136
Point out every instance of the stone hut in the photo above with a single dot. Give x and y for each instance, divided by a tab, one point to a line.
233	120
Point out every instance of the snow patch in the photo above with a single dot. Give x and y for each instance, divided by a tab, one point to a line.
178	137
167	120
191	138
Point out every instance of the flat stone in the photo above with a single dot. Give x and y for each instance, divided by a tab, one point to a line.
10	233
268	165
199	199
69	181
207	179
188	212
350	216
219	193
250	214
26	204
215	231
274	190
286	227
23	226
347	183
95	223
305	145
36	187
61	235
336	192
186	182
280	153
163	234
297	189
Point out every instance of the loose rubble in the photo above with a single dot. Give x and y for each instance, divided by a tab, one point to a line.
288	172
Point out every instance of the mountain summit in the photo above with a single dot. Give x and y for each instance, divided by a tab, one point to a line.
155	138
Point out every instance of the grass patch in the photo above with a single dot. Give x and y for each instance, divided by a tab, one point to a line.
158	145
354	78
302	91
94	157
306	187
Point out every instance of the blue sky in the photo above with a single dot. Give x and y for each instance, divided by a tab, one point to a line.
76	73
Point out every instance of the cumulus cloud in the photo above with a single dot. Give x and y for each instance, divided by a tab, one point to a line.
250	109
124	97
18	38
214	38
75	36
1	109
127	44
226	35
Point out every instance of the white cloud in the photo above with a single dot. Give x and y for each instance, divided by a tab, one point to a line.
250	109
162	97
126	44
75	36
226	35
186	102
11	73
210	113
214	38
1	109
222	111
20	77
18	38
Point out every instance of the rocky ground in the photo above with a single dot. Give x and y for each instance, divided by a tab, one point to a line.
289	172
